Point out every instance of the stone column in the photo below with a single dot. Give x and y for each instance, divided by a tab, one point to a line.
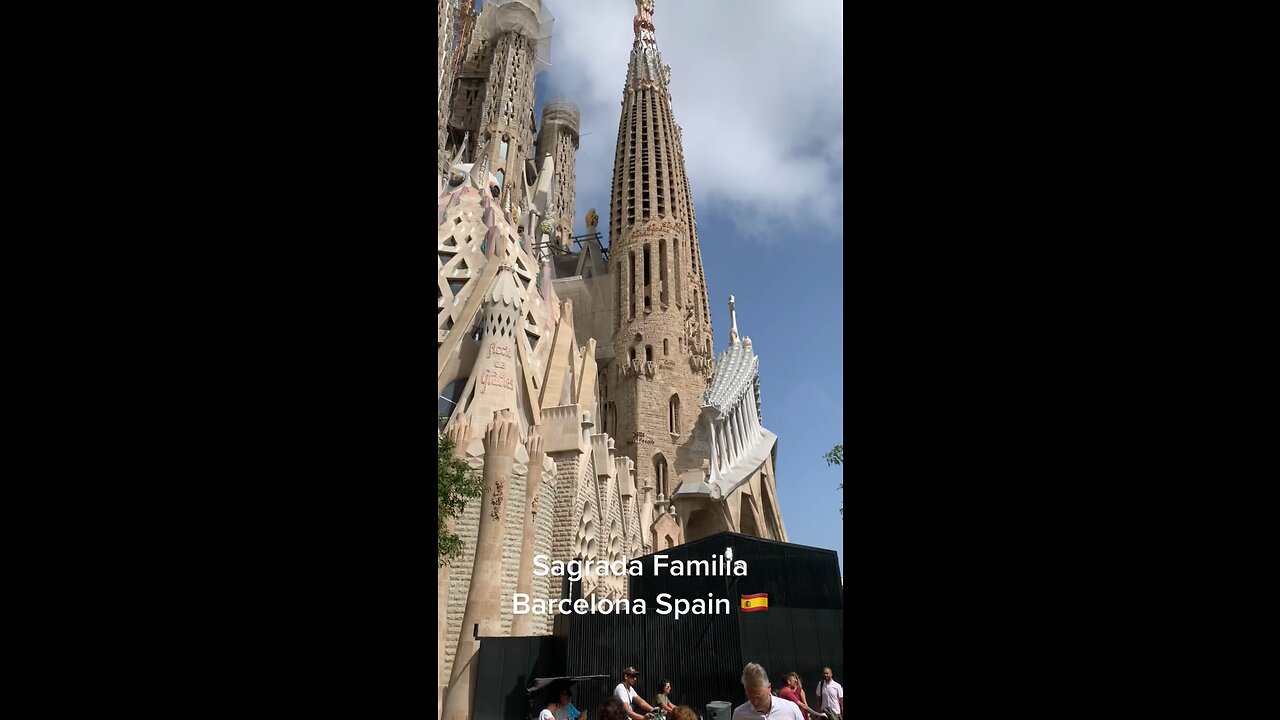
500	441
732	427
718	428
646	512
459	431
715	451
522	625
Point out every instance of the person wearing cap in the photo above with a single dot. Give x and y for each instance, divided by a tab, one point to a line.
629	698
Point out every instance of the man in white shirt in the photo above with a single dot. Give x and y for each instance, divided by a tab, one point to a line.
760	703
830	696
627	694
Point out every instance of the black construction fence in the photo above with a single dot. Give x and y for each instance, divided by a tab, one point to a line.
508	665
703	655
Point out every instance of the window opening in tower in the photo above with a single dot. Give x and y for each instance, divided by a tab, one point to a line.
631	305
662	269
617	302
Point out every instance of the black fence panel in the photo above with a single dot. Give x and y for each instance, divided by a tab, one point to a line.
506	666
703	654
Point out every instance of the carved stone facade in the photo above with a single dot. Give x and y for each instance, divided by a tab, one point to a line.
584	387
518	387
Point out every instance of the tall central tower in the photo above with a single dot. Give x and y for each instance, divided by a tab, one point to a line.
662	322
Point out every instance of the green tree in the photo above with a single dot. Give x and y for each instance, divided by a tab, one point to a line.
458	484
835	456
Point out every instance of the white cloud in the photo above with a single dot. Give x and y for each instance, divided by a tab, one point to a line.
757	87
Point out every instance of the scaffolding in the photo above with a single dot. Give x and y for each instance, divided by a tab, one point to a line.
551	248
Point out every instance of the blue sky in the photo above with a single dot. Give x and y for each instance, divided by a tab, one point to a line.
757	88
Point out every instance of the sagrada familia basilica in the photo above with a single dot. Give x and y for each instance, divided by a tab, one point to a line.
577	376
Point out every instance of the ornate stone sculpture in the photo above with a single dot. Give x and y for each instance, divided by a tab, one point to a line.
639	368
702	364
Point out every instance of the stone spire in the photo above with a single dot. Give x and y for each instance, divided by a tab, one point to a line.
662	341
733	320
650	183
559	138
512	42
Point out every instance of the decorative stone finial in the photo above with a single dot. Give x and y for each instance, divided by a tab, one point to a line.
459	431
462	147
733	318
502	434
533	442
642	23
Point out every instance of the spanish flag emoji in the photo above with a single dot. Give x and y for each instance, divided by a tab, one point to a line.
755	603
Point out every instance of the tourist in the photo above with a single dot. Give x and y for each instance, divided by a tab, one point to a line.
629	698
663	700
760	703
830	696
791	691
611	709
684	712
567	711
800	691
553	705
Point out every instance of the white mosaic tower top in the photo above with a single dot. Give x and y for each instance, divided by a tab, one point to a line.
740	444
